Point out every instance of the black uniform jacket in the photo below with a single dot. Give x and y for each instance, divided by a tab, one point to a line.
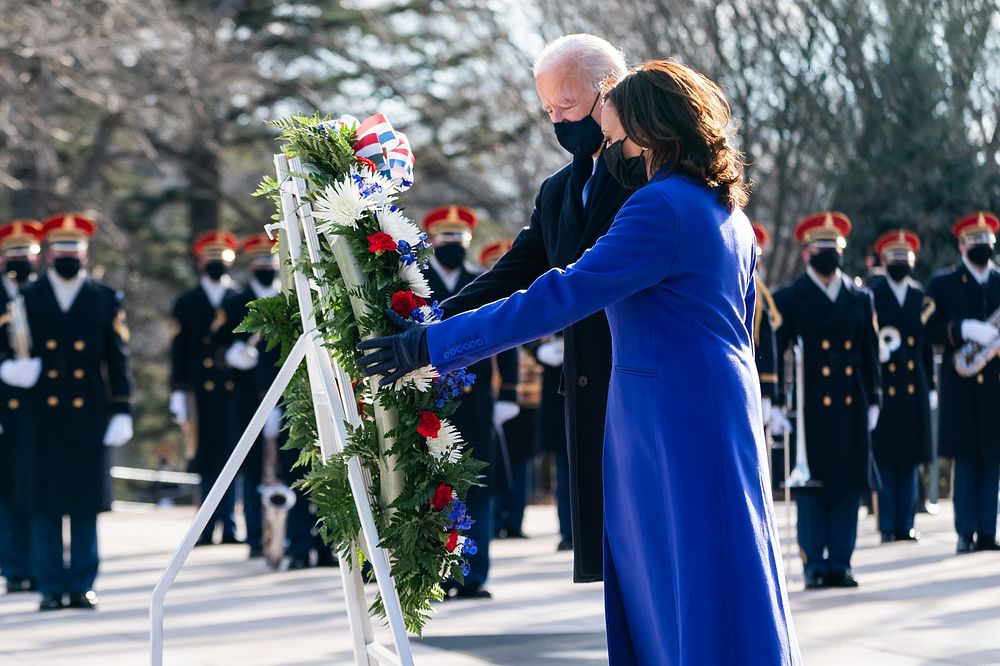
903	435
561	229
968	416
766	319
197	366
85	380
842	377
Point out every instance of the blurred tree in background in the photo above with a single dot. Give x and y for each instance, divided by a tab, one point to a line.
150	115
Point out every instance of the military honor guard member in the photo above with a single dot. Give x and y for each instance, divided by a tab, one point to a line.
242	355
197	371
20	247
78	403
902	439
960	309
842	391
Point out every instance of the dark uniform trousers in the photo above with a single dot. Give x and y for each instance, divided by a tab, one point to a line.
85	380
842	379
197	366
902	440
517	449
968	405
766	320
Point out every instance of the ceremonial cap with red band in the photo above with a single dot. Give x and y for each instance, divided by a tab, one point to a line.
827	228
760	231
216	245
20	237
978	227
897	244
259	248
68	232
448	220
490	254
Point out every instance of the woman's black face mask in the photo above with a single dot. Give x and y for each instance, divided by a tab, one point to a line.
629	171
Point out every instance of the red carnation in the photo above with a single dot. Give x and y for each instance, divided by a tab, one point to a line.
429	424
452	541
380	242
403	303
366	163
419	301
442	497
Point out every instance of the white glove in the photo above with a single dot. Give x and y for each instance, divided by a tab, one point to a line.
779	422
884	354
241	356
503	411
550	353
178	406
272	426
873	413
119	431
22	373
932	397
979	331
765	409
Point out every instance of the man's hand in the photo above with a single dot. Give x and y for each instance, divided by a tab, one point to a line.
242	356
980	332
932	397
22	373
503	411
272	426
779	422
178	407
765	409
395	355
873	412
119	431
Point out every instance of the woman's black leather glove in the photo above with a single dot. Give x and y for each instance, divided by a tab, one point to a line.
398	354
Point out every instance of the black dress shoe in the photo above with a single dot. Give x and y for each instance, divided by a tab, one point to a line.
297	562
564	544
912	535
51	601
987	542
256	553
815	581
841	579
455	591
15	585
86	601
326	558
888	537
965	544
230	539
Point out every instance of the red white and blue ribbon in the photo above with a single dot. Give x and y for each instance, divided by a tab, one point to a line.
388	149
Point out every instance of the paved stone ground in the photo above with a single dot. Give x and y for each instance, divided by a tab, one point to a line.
917	604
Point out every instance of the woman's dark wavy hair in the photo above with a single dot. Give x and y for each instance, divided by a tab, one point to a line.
683	118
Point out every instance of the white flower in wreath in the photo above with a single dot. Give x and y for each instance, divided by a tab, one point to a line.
415	280
397	225
376	189
420	379
339	205
447	446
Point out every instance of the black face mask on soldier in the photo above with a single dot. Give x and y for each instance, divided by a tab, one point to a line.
629	171
67	267
450	256
980	255
20	269
265	276
898	272
215	270
580	137
825	262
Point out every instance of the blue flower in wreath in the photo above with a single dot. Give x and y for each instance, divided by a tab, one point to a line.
436	310
466	567
464	523
457	510
417	315
470	547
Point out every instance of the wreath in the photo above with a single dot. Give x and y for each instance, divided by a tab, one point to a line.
371	256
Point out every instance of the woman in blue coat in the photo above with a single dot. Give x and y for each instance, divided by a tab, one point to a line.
692	564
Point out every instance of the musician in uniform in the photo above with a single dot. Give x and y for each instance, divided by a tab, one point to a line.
450	231
959	310
198	374
836	323
20	247
77	404
242	356
902	440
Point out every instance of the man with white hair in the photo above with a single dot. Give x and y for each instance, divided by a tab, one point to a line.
574	207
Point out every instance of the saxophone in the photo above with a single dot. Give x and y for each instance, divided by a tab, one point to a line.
972	357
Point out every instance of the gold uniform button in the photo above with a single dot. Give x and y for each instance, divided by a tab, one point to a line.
13	403
53	401
892	390
848	344
911	389
51	344
849	370
230	385
827	401
825	344
78	373
52	374
910	340
79	345
848	400
910	365
208	363
979	379
209	385
78	402
825	370
892	367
